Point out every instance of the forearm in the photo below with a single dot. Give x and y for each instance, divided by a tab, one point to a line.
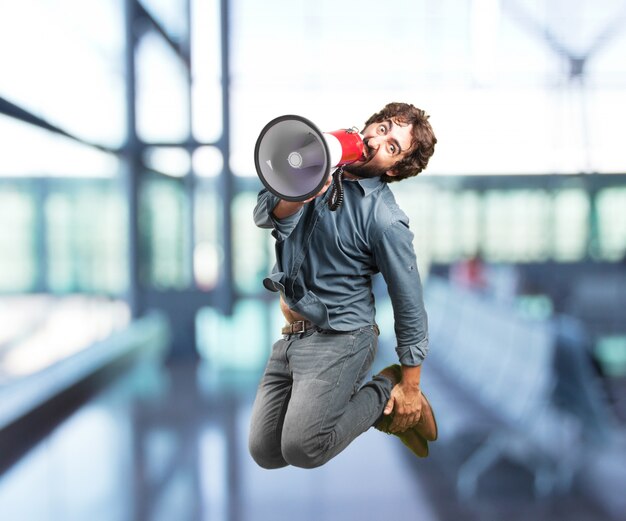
411	376
286	209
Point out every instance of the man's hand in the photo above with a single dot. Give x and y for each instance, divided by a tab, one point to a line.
405	401
406	404
287	208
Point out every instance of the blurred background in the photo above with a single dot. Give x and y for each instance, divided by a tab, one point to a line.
133	322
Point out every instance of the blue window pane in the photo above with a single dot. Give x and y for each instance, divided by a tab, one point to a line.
242	341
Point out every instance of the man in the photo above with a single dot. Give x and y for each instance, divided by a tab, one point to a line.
312	400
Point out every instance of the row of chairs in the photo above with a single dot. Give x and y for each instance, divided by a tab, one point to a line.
503	363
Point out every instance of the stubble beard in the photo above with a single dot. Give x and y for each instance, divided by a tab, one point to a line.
365	170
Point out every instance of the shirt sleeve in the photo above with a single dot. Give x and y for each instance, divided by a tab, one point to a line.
263	218
395	258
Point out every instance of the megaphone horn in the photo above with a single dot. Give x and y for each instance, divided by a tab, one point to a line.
293	158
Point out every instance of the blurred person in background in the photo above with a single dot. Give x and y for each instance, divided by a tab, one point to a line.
470	273
313	401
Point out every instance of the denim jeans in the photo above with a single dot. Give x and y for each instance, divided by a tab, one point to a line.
311	402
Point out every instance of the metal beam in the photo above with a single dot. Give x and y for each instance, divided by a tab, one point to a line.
181	50
225	182
15	111
132	156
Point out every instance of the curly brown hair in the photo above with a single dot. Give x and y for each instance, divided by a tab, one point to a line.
422	143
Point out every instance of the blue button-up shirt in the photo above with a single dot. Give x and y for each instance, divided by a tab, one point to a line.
325	262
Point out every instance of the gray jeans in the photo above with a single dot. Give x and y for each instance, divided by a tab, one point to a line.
311	402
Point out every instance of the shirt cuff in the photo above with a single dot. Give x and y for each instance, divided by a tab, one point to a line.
285	226
413	355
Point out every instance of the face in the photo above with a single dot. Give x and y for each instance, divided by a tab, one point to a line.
386	143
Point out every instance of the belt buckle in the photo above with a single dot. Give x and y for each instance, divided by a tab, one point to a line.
299	326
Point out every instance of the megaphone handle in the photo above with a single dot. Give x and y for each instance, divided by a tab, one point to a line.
336	192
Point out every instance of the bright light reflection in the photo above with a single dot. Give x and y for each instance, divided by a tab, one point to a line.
44	330
498	89
63	61
55	156
172	161
206	261
208	161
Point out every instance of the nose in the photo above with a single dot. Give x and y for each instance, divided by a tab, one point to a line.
373	142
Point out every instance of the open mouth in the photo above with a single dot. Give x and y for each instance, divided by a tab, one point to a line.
368	153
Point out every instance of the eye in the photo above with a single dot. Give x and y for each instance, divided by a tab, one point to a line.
382	129
392	149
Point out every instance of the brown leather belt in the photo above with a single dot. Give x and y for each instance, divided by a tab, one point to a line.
299	326
302	326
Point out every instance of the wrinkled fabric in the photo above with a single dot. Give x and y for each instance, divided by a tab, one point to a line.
311	402
325	262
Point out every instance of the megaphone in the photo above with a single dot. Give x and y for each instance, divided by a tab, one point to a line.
293	158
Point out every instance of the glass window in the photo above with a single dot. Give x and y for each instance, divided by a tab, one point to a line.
225	342
164	225
250	257
162	92
494	76
55	155
447	239
63	61
611	203
169	14
171	161
86	243
470	223
418	200
206	65
208	254
516	226
207	161
571	225
18	264
446	223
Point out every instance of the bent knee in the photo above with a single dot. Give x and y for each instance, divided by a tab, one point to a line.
265	457
305	454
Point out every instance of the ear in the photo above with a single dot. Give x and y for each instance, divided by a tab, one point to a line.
391	173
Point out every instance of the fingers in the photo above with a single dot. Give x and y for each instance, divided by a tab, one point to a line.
406	408
400	425
401	422
389	407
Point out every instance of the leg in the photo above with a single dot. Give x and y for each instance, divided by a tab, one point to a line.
268	412
328	409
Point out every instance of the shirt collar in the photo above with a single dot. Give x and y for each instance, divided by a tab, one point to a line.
369	184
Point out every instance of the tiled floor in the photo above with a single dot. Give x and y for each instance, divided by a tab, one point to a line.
170	444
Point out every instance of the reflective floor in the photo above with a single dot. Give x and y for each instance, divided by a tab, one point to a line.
170	444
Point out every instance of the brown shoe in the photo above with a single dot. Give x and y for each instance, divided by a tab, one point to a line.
416	443
393	373
426	427
411	438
